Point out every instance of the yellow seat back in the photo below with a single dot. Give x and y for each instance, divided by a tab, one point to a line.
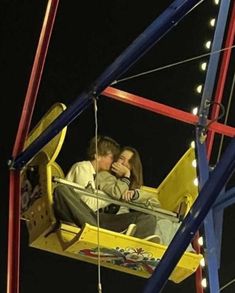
36	178
179	189
53	147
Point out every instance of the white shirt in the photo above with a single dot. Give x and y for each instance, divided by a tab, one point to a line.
83	173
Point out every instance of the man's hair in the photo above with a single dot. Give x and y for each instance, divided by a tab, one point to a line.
105	146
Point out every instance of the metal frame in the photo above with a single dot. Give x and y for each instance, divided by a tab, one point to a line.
209	191
13	256
204	146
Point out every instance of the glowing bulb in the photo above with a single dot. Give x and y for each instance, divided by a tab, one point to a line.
194	163
195	181
195	111
200	241
204	283
208	44
203	66
216	2
192	144
212	22
202	262
199	88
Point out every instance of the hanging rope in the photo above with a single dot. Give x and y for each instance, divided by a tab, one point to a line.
171	65
220	116
99	285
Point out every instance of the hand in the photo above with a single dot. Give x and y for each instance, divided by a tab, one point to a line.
148	198
127	196
120	170
153	203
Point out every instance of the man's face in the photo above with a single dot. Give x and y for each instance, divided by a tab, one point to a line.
105	162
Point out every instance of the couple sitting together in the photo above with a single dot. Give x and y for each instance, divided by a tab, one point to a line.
118	173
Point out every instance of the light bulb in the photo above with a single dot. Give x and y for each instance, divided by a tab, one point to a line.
203	66
195	111
204	283
199	88
212	22
192	144
194	163
202	262
195	181
200	240
208	44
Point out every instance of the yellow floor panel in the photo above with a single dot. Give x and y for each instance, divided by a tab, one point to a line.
117	251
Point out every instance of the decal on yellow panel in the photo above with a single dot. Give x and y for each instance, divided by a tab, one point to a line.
128	254
133	258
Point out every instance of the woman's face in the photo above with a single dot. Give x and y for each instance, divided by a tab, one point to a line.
125	157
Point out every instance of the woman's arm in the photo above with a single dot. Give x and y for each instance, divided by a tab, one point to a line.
146	197
111	185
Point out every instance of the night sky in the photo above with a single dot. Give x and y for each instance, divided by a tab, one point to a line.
87	37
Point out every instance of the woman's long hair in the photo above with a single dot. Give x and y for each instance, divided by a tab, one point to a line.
136	168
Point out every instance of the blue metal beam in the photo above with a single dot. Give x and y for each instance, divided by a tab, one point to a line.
214	58
210	247
211	242
218	218
190	225
226	199
166	21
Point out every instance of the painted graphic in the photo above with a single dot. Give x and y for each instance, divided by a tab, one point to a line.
133	258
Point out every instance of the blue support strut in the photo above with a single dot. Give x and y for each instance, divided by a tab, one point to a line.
168	19
210	191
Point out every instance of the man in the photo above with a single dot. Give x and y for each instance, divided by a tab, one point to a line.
69	204
101	154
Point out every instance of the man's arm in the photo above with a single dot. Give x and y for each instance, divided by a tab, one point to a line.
79	174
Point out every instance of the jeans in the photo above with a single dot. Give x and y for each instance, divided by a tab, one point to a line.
68	206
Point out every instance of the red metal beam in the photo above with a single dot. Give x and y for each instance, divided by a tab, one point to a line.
222	78
13	258
165	110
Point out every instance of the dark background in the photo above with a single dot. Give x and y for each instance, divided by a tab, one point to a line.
87	37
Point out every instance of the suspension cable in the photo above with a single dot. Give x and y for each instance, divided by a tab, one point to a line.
99	285
228	284
172	65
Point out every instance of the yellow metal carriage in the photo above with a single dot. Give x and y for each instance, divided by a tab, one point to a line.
117	251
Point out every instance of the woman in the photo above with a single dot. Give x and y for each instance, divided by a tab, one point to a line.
126	178
130	158
125	186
